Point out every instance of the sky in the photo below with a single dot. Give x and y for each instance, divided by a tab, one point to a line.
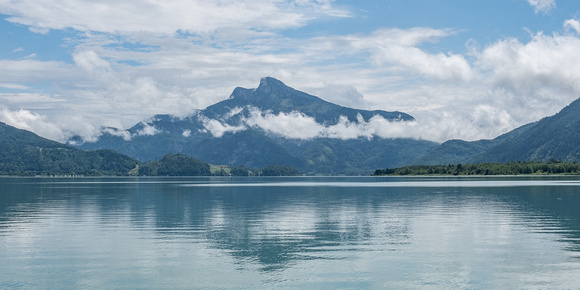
464	69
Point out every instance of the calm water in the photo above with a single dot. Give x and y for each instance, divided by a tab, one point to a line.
302	232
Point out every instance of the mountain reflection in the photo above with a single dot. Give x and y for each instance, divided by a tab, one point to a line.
276	227
271	226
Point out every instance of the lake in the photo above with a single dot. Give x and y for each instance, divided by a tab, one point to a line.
294	232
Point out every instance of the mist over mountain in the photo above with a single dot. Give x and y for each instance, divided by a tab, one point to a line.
276	124
273	124
554	137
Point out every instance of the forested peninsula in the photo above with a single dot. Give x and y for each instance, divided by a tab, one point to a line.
510	168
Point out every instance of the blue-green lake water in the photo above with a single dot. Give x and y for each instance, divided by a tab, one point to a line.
303	232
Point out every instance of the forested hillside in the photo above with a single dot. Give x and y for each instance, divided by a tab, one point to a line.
25	153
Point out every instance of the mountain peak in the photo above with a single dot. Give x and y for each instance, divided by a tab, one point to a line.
269	84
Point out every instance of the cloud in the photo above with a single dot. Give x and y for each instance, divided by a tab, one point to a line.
399	48
166	17
436	126
27	120
572	23
345	95
90	61
218	129
293	125
13	86
32	71
147	130
126	135
545	61
543	6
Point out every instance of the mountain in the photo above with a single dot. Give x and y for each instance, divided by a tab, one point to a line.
273	95
554	137
235	132
25	153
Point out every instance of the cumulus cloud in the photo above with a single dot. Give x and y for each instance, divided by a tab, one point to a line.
543	6
27	120
544	61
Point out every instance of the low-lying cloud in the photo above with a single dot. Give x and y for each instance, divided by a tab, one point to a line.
438	128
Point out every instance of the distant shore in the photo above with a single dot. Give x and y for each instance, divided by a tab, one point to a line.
552	167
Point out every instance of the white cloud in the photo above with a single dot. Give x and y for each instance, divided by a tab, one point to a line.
218	129
32	101
543	6
291	125
27	120
13	86
90	61
31	71
126	135
167	17
572	23
186	133
545	61
399	48
344	95
435	126
147	130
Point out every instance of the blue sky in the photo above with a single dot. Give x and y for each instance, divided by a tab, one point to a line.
464	69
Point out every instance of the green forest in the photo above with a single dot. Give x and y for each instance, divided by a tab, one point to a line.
510	168
183	165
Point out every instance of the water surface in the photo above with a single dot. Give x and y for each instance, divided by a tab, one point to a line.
304	232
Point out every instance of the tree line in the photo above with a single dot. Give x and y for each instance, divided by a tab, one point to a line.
183	165
510	168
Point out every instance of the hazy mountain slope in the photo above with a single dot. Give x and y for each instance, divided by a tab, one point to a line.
555	137
359	156
247	148
459	151
23	152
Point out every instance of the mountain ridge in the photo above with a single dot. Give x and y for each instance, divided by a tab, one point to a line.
552	137
221	134
273	95
25	153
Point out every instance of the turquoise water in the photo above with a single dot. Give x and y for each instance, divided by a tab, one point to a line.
303	232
